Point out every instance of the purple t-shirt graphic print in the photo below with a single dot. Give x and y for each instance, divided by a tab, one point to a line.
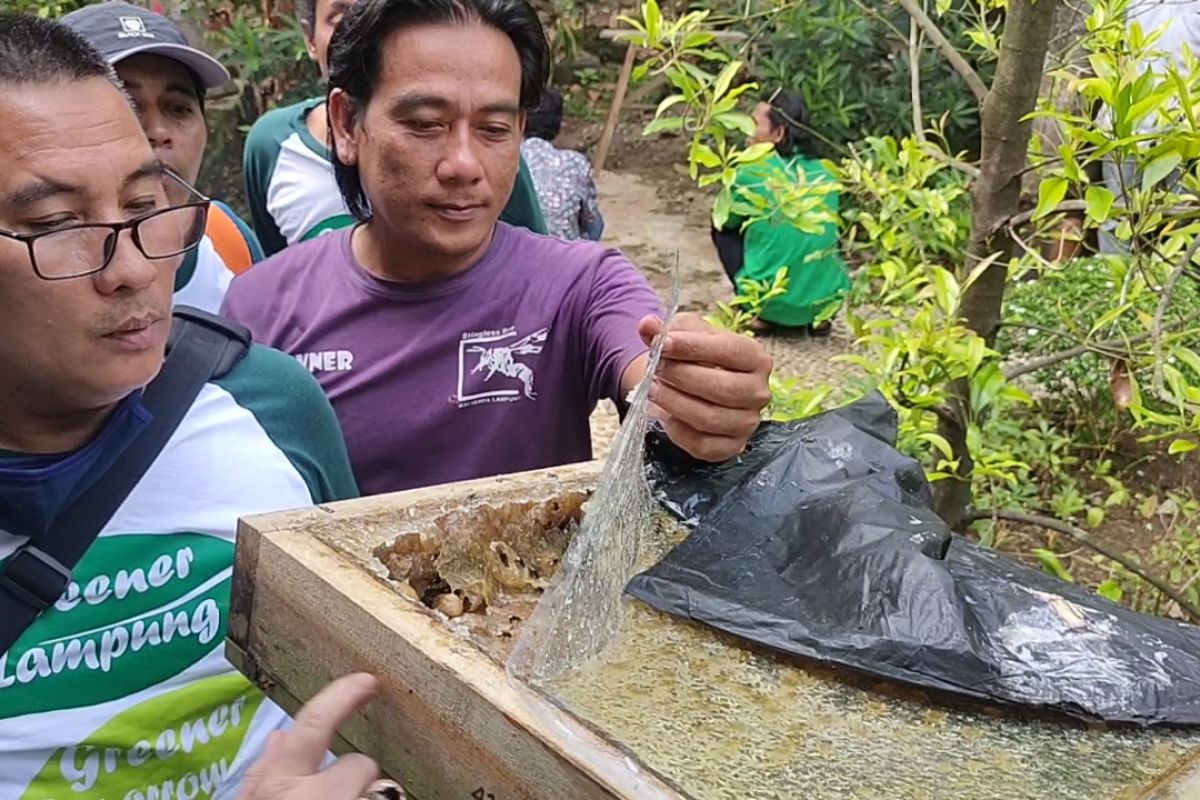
491	371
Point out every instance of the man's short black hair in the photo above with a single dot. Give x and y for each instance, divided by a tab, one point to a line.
36	50
355	57
545	122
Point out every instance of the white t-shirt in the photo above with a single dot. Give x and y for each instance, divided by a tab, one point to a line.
121	690
206	287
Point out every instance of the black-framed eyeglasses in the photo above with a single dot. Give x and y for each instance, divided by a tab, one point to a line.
85	249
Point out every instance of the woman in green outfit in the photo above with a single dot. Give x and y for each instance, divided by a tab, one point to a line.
807	245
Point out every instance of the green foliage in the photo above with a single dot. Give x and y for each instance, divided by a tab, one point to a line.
748	304
1115	338
1064	306
909	230
564	21
268	61
1175	558
45	8
1047	471
796	398
270	66
904	206
1052	564
591	93
845	57
1149	124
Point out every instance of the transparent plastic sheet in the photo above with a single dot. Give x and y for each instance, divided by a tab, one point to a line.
580	612
820	542
723	721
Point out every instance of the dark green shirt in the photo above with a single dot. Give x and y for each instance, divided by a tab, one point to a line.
817	276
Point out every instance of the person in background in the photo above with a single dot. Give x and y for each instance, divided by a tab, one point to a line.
167	79
817	275
290	187
563	178
127	646
437	330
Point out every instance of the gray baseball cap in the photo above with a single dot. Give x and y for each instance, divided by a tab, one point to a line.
120	30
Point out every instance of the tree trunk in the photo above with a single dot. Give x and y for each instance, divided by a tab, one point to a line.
1065	51
996	197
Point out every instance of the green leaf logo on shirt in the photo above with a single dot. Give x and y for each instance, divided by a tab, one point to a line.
181	744
140	609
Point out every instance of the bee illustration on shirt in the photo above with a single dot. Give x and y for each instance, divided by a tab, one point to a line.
502	360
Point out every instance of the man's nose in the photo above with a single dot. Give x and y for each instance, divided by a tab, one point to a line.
128	269
156	128
460	162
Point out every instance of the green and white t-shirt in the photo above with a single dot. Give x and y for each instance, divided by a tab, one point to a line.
121	691
228	248
293	196
202	279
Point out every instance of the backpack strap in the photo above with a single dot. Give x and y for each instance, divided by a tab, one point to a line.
201	347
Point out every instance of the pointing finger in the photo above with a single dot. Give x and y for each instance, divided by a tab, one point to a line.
302	748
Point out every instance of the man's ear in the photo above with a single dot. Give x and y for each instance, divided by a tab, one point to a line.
309	44
343	122
522	118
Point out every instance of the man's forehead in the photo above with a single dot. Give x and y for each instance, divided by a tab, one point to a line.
450	59
76	133
42	185
147	70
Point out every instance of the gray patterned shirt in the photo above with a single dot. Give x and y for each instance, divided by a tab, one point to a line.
566	191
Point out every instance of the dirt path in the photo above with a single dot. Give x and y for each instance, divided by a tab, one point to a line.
654	234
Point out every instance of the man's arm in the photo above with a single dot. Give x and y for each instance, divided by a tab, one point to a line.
258	164
248	238
290	406
710	388
591	222
711	384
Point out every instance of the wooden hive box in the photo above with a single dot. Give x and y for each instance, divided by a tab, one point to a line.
448	722
308	606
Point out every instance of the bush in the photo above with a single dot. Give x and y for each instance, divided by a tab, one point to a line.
45	8
852	67
1060	308
270	67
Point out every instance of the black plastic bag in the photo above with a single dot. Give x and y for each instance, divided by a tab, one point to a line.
820	541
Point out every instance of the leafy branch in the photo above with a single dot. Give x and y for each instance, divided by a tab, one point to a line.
1084	539
1156	331
1108	347
935	35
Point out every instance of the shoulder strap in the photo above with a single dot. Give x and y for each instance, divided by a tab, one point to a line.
202	346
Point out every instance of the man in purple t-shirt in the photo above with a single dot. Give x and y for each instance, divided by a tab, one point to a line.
451	345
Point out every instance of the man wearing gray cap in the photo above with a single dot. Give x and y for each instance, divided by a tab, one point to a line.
168	79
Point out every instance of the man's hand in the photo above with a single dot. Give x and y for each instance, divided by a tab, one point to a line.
290	769
710	388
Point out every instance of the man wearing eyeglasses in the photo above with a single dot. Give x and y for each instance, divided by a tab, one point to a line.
167	79
118	686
